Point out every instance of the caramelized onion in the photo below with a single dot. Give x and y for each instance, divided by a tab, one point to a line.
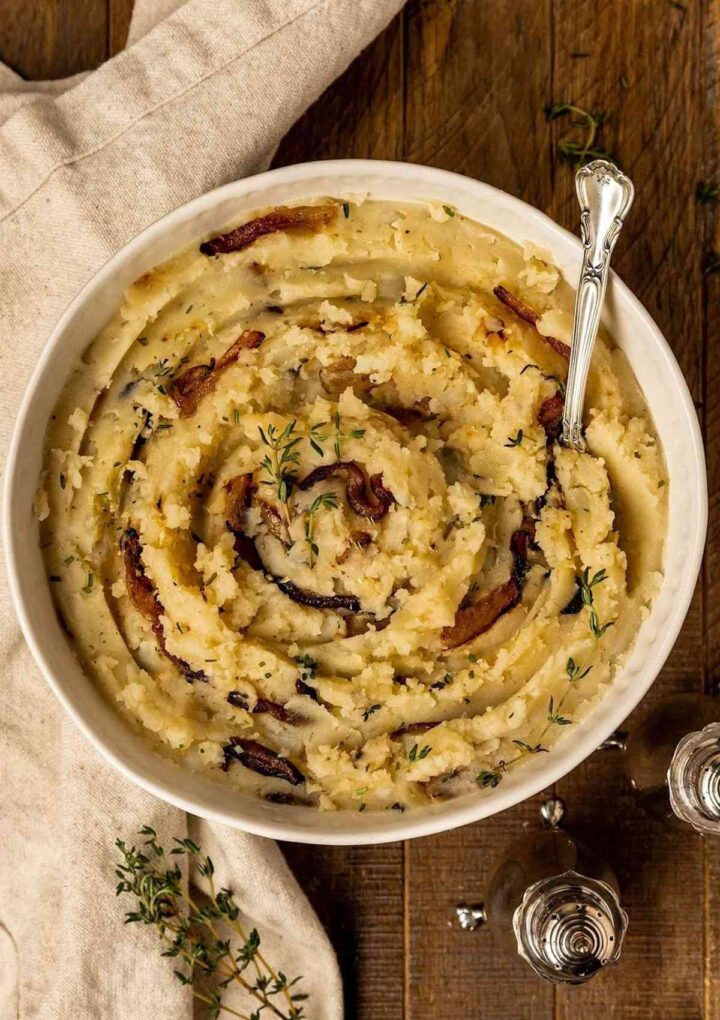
237	502
475	619
529	315
262	706
305	688
279	712
524	536
351	603
480	617
144	597
550	416
301	217
189	388
368	498
260	759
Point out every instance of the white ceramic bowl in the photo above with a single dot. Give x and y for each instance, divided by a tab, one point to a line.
634	331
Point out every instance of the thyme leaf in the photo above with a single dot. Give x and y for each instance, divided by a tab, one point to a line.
554	717
325	501
576	672
531	749
488	778
340	435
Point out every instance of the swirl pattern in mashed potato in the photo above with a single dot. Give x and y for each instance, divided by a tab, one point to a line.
306	522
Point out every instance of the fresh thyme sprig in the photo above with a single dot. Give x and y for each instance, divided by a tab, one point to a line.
588	599
488	778
308	667
325	501
492	777
531	748
281	463
575	152
193	932
340	435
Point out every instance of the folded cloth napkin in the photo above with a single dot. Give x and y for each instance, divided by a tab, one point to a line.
203	95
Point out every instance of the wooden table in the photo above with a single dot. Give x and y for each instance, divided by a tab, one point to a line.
464	84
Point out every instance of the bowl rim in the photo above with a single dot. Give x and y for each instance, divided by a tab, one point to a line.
420	822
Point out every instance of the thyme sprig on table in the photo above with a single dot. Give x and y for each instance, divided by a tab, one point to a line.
194	931
580	151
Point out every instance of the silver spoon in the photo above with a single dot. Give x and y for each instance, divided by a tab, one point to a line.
605	195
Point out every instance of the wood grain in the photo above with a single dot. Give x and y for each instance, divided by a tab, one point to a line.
358	894
53	38
653	126
476	88
119	14
463	84
361	115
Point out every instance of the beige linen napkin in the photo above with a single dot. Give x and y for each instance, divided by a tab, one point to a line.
202	96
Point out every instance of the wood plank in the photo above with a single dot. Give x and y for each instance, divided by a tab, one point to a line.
46	39
477	83
361	115
119	14
469	109
358	895
641	67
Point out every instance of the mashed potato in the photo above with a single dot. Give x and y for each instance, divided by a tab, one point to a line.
306	521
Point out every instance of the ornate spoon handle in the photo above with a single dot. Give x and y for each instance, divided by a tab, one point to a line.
605	195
